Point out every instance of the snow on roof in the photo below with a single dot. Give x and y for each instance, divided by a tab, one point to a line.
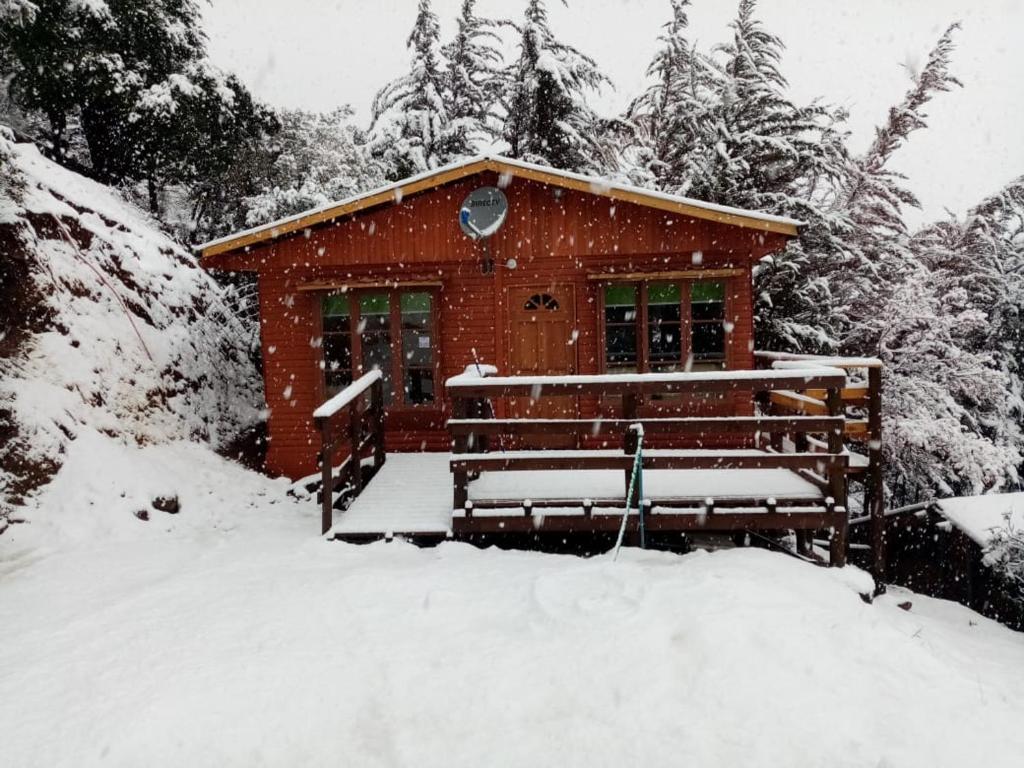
981	516
501	164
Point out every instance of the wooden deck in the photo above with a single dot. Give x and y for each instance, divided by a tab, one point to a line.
411	496
780	464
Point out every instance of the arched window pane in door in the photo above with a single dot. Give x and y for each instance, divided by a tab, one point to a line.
542	301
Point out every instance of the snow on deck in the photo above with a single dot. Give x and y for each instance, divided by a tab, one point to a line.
412	492
600	484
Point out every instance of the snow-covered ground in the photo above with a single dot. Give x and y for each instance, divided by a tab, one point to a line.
231	634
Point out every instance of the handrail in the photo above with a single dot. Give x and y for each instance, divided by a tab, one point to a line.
820	377
341	422
834	361
347	395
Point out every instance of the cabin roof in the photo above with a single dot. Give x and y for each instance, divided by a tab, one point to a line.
395	192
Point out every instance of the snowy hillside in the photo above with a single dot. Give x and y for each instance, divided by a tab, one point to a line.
106	326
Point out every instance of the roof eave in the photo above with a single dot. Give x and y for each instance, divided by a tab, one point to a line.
430	180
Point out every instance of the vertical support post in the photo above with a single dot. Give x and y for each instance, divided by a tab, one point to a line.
460	478
837	545
837	480
326	477
355	429
377	423
630	440
874	485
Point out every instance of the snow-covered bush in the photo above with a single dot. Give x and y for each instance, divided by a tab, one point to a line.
319	158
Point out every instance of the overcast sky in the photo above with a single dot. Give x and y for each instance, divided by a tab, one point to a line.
318	54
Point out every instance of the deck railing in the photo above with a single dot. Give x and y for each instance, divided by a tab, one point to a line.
862	405
353	419
826	470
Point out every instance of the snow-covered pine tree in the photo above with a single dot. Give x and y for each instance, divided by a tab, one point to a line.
980	261
668	117
411	130
940	397
548	120
472	84
874	196
759	150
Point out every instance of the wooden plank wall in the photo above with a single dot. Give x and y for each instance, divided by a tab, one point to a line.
558	237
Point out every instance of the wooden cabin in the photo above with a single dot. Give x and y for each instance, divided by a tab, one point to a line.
606	279
585	278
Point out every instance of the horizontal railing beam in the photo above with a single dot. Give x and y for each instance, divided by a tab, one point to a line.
645	384
726	521
551	460
704	426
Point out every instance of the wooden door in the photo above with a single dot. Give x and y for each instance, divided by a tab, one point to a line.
543	343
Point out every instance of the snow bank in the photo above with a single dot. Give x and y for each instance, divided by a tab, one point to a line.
107	325
230	634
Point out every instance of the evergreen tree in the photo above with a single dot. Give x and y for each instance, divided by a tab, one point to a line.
472	84
758	150
132	74
877	252
669	115
547	119
411	130
940	397
319	159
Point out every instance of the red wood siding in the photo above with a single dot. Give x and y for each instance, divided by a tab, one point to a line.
559	238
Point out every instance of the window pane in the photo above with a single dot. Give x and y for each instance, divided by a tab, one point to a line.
377	356
336	305
417	348
375	336
419	386
620	327
665	343
418	301
663	293
620	345
374	312
620	295
707	291
708	333
337	343
337	351
708	341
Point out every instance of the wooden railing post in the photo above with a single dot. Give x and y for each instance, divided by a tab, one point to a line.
460	410
377	423
326	478
874	492
355	437
837	478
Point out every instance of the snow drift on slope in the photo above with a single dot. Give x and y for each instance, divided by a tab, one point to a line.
106	324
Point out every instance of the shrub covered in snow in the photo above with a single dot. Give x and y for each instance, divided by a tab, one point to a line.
1006	552
105	324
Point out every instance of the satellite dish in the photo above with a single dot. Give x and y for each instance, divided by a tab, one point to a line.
483	212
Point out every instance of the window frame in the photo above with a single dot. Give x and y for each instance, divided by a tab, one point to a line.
397	372
685	321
